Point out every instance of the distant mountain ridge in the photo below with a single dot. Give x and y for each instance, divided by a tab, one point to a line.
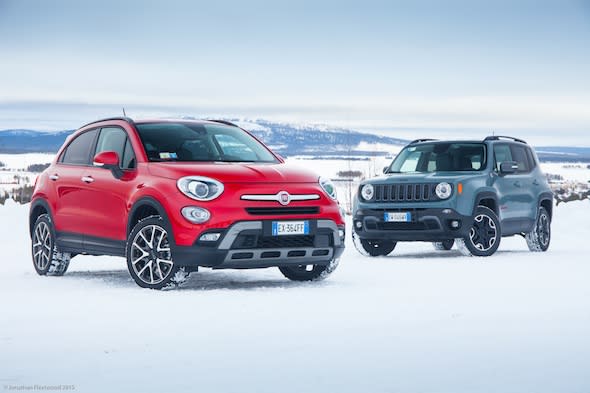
286	139
283	138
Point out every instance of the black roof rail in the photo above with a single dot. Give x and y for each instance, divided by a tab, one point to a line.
498	137
123	118
422	140
227	123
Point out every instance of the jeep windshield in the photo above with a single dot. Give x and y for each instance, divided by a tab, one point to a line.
440	157
192	141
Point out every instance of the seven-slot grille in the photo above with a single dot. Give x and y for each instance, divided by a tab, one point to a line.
422	192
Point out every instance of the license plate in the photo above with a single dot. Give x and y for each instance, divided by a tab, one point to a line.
290	228
398	217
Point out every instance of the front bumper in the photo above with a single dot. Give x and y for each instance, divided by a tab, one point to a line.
250	244
427	224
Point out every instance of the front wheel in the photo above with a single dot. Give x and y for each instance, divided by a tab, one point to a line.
539	238
373	248
484	234
149	255
309	272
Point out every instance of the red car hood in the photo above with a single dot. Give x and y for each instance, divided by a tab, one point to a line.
226	172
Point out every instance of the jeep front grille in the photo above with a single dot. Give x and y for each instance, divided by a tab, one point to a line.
422	192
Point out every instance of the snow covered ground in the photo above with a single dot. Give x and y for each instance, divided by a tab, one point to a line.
416	321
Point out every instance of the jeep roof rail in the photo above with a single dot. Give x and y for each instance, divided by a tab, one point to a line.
228	123
422	140
498	137
124	118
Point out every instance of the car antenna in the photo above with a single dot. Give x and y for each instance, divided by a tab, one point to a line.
124	114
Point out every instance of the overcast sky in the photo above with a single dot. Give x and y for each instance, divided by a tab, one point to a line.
421	68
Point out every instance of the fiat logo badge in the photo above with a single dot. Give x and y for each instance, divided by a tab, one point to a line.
284	198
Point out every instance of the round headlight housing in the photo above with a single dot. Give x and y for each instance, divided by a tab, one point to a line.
443	190
367	192
328	187
195	214
200	188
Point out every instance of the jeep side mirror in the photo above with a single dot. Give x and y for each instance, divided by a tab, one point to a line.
108	160
508	167
385	168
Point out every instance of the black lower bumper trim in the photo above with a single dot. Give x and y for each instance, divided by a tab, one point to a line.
425	225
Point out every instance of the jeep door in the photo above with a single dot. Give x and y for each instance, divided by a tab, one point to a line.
514	189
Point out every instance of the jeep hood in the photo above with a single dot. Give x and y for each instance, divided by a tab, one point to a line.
434	177
227	172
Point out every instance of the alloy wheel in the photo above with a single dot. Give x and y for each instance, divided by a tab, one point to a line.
151	257
483	234
42	246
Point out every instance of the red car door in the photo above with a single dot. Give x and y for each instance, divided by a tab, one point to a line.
66	176
104	197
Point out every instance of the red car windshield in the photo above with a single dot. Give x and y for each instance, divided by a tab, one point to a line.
188	141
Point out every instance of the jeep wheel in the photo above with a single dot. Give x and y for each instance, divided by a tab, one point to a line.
373	248
445	245
149	255
309	272
46	258
484	235
539	238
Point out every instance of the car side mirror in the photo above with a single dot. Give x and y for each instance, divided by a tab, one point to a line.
108	160
385	168
508	167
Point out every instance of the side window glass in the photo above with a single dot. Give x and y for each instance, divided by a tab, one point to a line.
520	156
115	139
502	154
78	151
531	157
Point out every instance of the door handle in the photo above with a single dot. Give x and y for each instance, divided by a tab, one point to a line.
87	179
54	177
517	183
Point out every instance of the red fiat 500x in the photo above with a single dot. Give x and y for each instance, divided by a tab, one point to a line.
173	195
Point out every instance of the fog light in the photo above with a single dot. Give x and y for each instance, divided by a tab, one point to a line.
447	211
455	224
196	215
210	237
359	225
341	233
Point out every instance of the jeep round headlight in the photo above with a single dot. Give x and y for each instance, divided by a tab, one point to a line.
443	190
328	187
367	192
200	188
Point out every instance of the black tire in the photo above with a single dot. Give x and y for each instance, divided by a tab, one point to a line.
149	255
445	245
373	248
539	238
484	234
47	260
309	272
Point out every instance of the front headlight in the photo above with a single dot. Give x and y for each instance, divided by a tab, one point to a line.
200	188
367	192
328	187
443	190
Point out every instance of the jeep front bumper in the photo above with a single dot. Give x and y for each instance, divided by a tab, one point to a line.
426	224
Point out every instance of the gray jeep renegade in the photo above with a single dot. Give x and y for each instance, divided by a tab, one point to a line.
468	193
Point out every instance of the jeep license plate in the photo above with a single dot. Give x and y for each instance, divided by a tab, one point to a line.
290	228
398	217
